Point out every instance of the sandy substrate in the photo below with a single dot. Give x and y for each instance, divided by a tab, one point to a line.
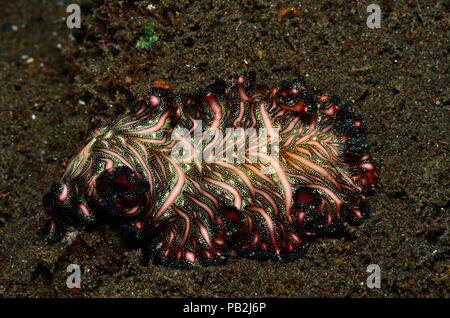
397	77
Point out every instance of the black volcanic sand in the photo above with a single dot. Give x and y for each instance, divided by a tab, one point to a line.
397	77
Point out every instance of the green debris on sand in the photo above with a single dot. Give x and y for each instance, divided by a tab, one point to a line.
148	38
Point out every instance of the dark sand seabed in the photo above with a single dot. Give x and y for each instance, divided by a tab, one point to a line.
397	77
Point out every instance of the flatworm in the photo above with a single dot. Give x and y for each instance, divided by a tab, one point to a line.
191	210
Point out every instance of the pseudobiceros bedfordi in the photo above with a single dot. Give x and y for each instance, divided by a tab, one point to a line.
305	171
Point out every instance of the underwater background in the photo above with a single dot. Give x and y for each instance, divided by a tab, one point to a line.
52	79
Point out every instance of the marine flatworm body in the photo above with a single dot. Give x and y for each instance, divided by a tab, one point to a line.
191	210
